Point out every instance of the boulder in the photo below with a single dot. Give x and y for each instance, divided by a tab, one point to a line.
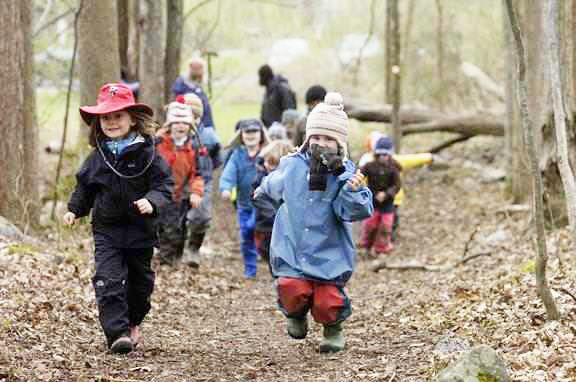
481	364
9	230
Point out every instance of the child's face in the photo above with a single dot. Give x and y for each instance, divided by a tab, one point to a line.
382	158
179	130
270	165
324	141
251	138
116	125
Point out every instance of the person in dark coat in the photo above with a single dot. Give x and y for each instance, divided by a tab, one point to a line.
277	97
192	83
314	95
125	183
383	175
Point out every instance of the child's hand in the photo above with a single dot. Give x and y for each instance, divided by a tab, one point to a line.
195	200
144	206
381	196
357	181
69	218
226	195
257	192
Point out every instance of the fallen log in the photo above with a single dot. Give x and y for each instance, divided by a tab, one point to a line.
408	114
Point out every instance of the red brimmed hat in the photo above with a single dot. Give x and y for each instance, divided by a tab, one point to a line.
113	97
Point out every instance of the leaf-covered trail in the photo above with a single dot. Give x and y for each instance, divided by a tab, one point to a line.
211	325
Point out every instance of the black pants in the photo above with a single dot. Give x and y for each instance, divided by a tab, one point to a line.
172	231
123	282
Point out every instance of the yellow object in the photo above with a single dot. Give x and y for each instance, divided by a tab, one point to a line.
410	161
233	195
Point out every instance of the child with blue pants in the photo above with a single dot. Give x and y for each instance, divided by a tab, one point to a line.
312	254
240	172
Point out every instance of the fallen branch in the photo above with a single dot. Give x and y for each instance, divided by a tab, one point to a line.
467	125
383	113
436	149
427	267
564	290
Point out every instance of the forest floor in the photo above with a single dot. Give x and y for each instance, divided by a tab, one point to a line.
211	325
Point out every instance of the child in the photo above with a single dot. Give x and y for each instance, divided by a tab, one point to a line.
312	252
125	182
175	146
277	131
406	161
383	175
239	172
267	162
206	143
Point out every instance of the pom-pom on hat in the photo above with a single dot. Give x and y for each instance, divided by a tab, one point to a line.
113	97
384	145
179	112
195	102
328	118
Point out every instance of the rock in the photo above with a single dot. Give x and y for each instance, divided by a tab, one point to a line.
481	364
9	230
497	238
451	344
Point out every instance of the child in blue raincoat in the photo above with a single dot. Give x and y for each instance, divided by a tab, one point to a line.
312	253
239	172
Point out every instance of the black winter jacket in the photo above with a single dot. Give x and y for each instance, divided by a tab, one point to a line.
112	197
265	206
277	98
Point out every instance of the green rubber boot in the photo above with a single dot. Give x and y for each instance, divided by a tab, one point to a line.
297	328
333	340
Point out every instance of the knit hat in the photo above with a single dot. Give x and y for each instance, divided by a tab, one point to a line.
277	131
195	102
290	117
328	118
179	112
384	145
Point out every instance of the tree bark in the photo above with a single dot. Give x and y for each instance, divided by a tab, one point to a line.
18	146
440	53
123	10
396	76
152	53
537	188
465	125
558	102
384	114
174	29
133	49
98	58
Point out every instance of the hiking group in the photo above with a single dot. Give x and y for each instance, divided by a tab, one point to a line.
295	189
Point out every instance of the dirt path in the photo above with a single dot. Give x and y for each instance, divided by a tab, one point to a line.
213	326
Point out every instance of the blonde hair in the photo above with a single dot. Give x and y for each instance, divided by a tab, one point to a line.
276	150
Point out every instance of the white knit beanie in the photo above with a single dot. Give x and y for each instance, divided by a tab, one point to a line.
328	118
195	103
179	112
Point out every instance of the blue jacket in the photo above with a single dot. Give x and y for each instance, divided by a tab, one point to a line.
208	163
312	235
240	172
181	87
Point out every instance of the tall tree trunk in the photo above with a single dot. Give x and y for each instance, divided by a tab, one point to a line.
152	44
388	53
174	29
518	172
98	58
123	10
537	188
133	49
440	53
19	143
396	74
558	102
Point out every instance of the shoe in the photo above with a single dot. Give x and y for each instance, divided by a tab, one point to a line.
333	340
122	345
297	328
135	335
191	258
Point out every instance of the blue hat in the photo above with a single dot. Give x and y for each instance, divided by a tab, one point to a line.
251	124
384	145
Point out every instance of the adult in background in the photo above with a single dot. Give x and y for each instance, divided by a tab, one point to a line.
314	95
277	97
192	83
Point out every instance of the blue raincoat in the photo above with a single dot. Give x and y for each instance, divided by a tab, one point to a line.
240	172
312	235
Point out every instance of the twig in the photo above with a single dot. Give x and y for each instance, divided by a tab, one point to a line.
428	267
444	145
393	375
112	379
194	9
567	292
470	239
69	92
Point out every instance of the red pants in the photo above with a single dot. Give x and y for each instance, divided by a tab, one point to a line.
377	232
327	302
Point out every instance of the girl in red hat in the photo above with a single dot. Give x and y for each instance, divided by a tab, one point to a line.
125	183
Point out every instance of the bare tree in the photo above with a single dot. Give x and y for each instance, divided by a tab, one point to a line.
152	53
98	58
440	52
558	102
395	70
173	45
18	146
538	207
